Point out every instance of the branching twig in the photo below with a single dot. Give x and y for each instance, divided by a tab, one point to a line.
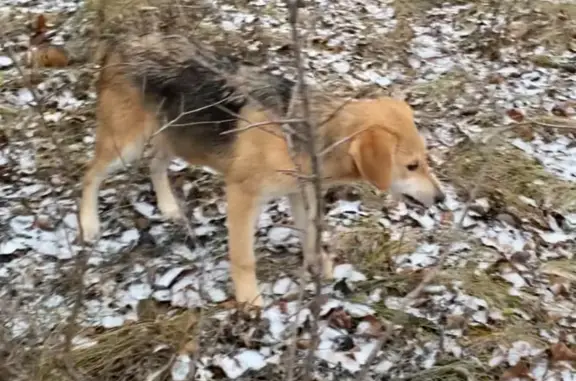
81	264
313	241
188	112
544	124
331	147
262	124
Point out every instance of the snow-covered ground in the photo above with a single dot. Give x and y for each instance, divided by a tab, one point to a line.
141	257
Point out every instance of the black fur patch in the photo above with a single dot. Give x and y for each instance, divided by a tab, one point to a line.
196	102
200	104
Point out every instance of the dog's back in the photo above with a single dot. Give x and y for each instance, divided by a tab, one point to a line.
196	94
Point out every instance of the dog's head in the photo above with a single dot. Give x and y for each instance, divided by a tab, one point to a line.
389	152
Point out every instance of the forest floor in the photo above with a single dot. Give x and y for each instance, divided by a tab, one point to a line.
494	91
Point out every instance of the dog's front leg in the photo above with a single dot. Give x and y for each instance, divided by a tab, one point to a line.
304	222
243	209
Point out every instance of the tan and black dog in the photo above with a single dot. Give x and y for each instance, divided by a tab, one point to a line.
196	105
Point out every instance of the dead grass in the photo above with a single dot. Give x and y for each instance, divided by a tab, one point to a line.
564	269
111	18
481	285
418	7
369	247
550	25
558	27
447	84
396	43
128	352
510	175
454	371
483	341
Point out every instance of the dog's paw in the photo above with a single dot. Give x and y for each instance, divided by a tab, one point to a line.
170	210
250	298
90	228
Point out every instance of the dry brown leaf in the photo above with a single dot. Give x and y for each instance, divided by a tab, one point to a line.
446	218
560	111
520	370
304	344
316	304
525	133
339	318
560	289
142	223
455	321
518	29
283	306
375	325
554	316
495	79
520	257
228	304
515	115
560	352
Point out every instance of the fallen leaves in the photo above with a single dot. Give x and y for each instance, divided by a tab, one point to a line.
528	363
561	352
339	318
247	340
371	326
516	115
519	371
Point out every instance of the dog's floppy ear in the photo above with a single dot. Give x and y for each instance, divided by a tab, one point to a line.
372	152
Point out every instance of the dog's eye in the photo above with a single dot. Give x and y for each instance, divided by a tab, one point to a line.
412	167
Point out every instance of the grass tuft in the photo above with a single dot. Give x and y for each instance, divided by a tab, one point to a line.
511	175
125	353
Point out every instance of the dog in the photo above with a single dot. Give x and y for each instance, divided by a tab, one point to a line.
191	103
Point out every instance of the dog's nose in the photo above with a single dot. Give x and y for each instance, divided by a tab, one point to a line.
440	197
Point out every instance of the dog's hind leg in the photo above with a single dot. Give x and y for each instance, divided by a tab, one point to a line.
243	207
109	156
167	202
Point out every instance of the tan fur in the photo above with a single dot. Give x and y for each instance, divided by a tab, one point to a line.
384	142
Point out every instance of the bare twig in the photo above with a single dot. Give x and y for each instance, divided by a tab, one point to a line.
331	147
184	113
313	241
262	124
544	124
81	264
